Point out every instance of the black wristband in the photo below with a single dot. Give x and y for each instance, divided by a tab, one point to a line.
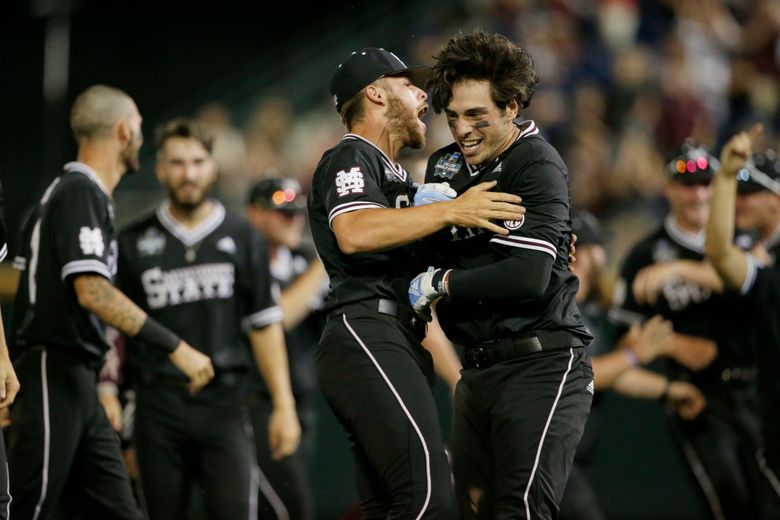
157	335
439	281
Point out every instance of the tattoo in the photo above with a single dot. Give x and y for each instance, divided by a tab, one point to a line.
110	305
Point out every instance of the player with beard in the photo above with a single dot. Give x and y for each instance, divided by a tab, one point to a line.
60	434
202	271
371	367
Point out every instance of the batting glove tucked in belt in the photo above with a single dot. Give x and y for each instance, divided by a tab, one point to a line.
433	192
426	288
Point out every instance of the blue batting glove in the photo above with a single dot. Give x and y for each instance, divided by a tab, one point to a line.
433	192
425	288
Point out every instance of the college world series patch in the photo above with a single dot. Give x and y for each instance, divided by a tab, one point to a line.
448	165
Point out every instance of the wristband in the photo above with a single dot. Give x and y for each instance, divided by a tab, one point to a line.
632	359
441	281
157	335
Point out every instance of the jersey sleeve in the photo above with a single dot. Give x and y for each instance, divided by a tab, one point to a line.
545	194
262	291
84	237
352	183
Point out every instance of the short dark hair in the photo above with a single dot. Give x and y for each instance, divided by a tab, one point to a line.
97	110
184	128
481	56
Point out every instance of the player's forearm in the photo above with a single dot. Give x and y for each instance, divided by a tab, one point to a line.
518	277
296	299
445	359
728	260
378	229
99	296
608	367
640	383
270	354
702	274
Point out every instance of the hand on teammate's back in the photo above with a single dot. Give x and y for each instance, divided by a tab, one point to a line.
479	207
196	365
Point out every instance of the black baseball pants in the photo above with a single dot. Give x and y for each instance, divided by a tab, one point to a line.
204	439
63	456
285	486
516	428
377	379
720	447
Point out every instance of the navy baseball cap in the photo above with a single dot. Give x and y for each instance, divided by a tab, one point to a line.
279	193
363	67
761	172
692	164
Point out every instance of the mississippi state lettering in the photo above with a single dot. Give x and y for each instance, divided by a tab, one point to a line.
187	284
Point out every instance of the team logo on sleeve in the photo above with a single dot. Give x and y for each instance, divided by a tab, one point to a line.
91	241
151	243
448	165
349	181
512	225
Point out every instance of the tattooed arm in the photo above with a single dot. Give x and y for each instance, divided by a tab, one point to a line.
96	294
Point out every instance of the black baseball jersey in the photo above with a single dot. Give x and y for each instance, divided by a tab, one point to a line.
355	175
70	232
693	310
762	289
531	168
210	285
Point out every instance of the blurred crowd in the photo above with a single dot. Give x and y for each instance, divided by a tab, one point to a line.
623	84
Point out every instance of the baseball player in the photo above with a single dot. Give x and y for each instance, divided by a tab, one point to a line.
9	383
665	274
758	184
277	209
202	271
616	368
508	299
60	434
371	368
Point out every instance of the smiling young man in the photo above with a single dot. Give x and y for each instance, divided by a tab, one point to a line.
202	271
371	367
508	298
